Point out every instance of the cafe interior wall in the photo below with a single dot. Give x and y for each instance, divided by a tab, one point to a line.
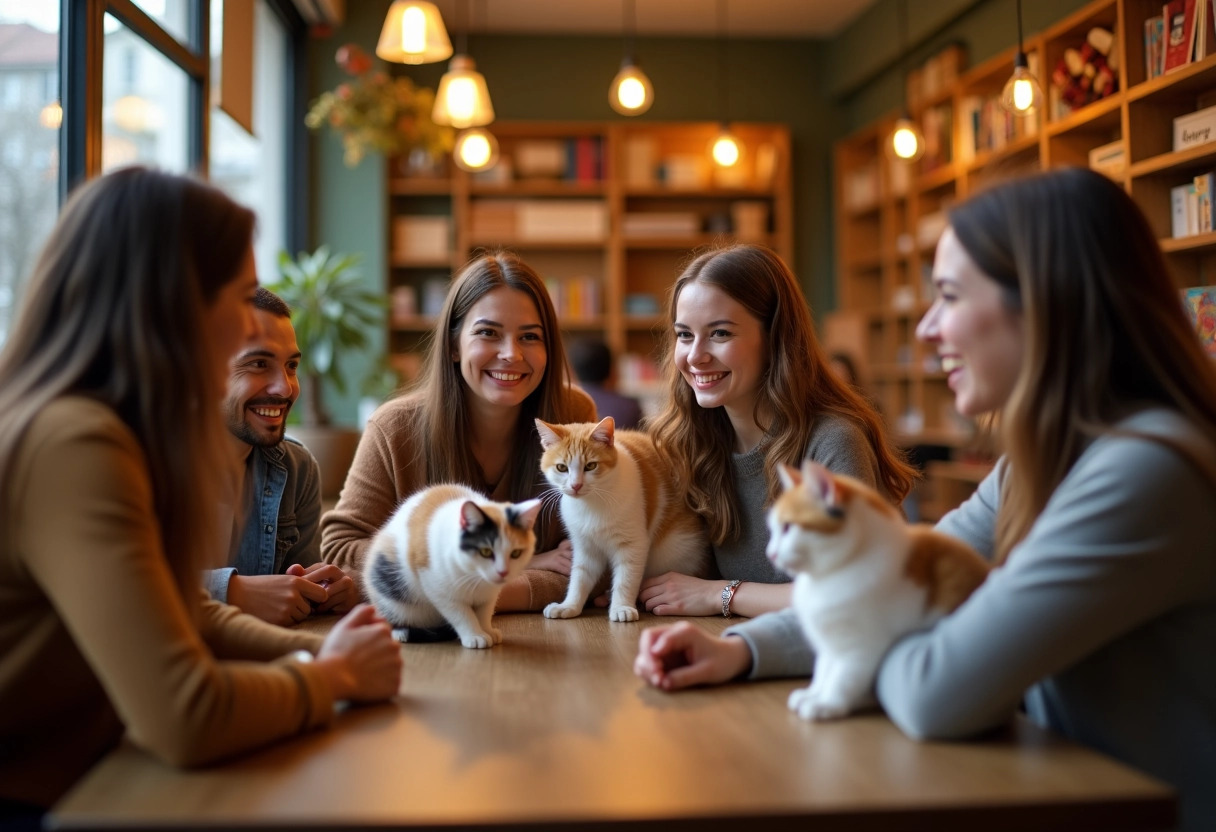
823	89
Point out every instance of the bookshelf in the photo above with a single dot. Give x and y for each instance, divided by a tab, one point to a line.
606	212
895	210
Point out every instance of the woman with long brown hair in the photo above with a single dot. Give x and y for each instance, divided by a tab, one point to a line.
1056	311
112	449
495	363
750	387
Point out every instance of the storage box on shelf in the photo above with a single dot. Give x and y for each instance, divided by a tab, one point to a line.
606	212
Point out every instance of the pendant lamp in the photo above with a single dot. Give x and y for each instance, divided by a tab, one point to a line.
413	33
462	100
1022	94
631	93
906	142
726	149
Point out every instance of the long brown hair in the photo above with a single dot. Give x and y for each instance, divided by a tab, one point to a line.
442	417
114	311
1105	329
798	385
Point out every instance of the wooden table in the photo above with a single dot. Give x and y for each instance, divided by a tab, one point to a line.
552	730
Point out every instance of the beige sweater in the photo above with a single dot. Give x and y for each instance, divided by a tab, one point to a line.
388	468
95	635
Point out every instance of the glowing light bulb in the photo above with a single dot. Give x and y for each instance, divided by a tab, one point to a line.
631	94
906	142
476	149
726	150
413	30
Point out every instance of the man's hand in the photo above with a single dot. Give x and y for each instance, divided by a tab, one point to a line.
681	655
279	599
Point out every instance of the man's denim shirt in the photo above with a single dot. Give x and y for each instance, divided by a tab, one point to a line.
282	518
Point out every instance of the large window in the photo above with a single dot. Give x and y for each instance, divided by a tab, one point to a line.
30	116
147	105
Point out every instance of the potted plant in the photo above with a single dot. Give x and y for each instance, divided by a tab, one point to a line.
332	313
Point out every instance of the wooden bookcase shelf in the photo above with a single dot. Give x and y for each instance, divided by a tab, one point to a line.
591	206
902	223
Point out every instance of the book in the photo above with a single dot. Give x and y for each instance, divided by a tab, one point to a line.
1205	183
1200	305
1152	46
1179	34
1178	210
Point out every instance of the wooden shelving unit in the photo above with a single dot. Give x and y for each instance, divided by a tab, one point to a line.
610	280
885	245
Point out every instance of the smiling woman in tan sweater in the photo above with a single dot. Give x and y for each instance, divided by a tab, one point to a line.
111	441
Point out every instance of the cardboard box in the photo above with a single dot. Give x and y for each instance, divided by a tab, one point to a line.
573	220
421	238
1195	128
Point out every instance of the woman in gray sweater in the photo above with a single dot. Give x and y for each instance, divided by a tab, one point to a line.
1056	310
751	387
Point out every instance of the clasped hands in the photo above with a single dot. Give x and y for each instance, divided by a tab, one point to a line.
290	598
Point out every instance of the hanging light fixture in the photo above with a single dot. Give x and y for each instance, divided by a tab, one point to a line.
631	93
906	142
1022	94
413	33
476	149
462	100
725	149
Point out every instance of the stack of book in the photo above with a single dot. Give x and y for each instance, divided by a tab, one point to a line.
660	224
1191	206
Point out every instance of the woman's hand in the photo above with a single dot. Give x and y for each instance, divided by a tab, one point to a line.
361	658
555	560
681	655
675	594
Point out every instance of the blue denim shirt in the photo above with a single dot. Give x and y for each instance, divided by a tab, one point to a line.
282	516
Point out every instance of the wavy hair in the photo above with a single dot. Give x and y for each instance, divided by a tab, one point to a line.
113	311
797	386
442	417
1105	329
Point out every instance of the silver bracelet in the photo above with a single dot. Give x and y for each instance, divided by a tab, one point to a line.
728	595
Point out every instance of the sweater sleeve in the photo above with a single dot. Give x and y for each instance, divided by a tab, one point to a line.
102	565
777	645
1110	552
369	496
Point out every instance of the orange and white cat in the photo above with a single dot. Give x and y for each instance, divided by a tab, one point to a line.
620	507
862	578
444	557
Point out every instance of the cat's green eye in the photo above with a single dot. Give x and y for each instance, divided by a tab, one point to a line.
590	466
486	552
515	553
561	466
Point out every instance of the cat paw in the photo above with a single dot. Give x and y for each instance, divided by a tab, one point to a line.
556	610
623	613
479	641
497	634
813	708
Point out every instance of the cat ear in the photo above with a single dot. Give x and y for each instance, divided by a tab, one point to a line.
820	482
604	431
790	477
526	514
471	516
548	434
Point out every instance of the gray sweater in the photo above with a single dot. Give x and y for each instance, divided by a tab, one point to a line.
837	444
1103	620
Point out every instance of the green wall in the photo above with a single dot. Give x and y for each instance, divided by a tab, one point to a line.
822	89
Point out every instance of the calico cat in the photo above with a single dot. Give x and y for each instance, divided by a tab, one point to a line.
444	556
862	578
619	505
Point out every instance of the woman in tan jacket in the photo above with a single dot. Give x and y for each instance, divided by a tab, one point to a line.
496	363
111	472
